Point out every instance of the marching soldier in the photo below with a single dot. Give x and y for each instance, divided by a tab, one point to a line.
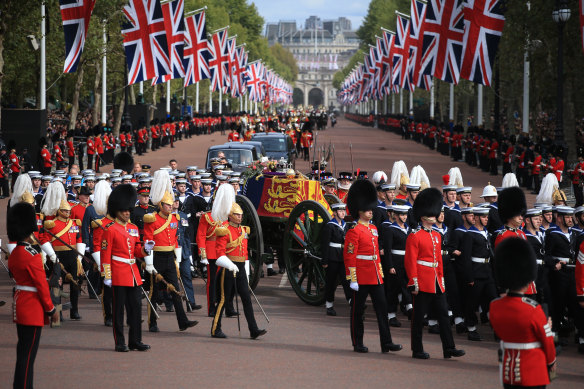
536	237
363	267
231	247
344	180
120	245
527	343
32	299
333	238
423	263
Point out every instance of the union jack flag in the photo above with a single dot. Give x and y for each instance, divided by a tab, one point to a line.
387	52
231	45
240	65
483	27
173	13
417	15
254	76
380	66
400	57
219	61
443	39
75	15
145	41
196	53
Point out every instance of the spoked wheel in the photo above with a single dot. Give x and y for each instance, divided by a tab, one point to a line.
302	251
255	242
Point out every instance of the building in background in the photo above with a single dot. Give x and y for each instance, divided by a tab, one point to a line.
321	48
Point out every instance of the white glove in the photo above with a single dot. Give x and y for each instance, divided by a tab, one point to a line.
149	263
178	254
107	282
191	260
225	262
97	258
80	248
247	269
149	245
204	261
10	246
48	249
354	286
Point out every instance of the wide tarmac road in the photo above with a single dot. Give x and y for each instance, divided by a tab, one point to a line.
303	346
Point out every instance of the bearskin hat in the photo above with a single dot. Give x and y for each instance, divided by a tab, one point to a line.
362	196
515	264
124	161
20	221
427	203
122	198
511	203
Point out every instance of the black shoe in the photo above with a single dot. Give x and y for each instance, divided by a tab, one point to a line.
420	355
581	348
189	324
409	313
231	314
484	318
257	333
360	349
391	347
393	322
154	329
453	352
122	348
219	334
281	271
331	312
461	328
271	272
474	336
434	329
169	309
196	307
139	346
108	323
75	316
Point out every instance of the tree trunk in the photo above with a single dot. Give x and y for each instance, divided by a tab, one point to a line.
119	114
152	107
75	103
96	117
132	95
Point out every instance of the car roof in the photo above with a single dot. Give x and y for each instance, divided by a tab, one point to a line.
262	134
233	145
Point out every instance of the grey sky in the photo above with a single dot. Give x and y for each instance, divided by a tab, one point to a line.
300	10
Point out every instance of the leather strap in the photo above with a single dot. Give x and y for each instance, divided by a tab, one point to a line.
163	227
63	231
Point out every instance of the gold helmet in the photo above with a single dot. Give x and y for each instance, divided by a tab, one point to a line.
64	206
235	210
27	197
167	198
559	196
404	179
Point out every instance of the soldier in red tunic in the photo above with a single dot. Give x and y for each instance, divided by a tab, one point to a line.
120	245
32	299
363	267
423	263
527	342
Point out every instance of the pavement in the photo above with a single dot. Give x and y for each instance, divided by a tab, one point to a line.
303	346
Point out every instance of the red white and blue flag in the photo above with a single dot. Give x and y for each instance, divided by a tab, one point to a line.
417	16
239	68
145	41
173	13
231	45
196	53
254	76
75	15
219	61
483	27
400	75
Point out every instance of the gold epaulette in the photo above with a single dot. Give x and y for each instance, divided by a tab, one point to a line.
246	229
221	231
150	218
78	222
177	216
49	224
41	216
96	223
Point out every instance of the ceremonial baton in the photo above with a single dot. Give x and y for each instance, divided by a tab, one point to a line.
257	301
236	302
78	253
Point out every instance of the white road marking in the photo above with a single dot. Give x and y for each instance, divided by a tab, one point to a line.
283	281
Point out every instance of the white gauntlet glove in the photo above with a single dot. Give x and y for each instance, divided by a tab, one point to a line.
225	262
149	245
149	263
354	286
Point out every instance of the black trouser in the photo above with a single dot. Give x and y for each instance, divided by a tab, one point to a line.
106	301
4	187
564	298
127	297
544	295
358	306
80	155
14	177
481	293
71	161
334	271
506	167
226	283
165	266
452	292
211	288
89	161
26	351
578	195
422	303
69	261
396	284
494	166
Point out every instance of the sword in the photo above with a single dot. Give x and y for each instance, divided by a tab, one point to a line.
181	284
149	302
352	166
236	302
258	302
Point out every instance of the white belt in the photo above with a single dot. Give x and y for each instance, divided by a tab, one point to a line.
562	259
398	252
480	260
367	257
428	264
539	261
520	346
124	260
336	245
26	288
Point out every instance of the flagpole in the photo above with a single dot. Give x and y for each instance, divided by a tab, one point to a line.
197	97
411	110
240	103
525	121
432	102
104	79
392	103
195	11
168	98
220	101
246	105
43	77
451	108
210	97
401	101
480	105
142	88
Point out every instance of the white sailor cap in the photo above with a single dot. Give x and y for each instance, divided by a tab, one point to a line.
234	180
399	208
181	181
222	178
134	184
564	210
448	188
117	171
386	186
228	173
127	177
206	181
117	179
192	168
464	189
413	187
46	178
90	178
338	206
205	175
480	211
579	209
145	180
533	212
196	177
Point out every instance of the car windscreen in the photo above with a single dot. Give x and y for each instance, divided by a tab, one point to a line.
236	157
273	144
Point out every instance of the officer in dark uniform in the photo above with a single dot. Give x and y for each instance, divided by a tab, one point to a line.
333	238
452	216
536	237
142	208
393	243
480	288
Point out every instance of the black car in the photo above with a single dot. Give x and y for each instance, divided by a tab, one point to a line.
239	155
277	146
